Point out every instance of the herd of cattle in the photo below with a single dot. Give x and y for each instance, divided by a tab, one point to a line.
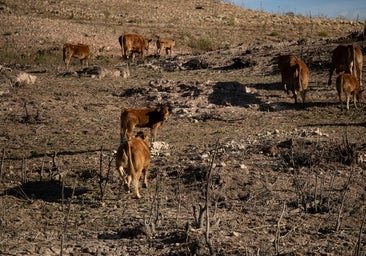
134	151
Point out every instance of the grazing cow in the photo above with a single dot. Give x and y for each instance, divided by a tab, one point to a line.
80	51
145	117
134	154
347	84
347	58
165	43
133	43
294	75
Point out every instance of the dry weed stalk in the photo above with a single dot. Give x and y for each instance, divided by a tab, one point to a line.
359	239
66	220
198	217
153	222
2	164
342	199
103	181
278	231
101	178
179	197
24	170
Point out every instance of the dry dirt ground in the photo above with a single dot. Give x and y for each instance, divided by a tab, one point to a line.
274	178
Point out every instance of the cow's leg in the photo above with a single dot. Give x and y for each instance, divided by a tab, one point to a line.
136	179
123	133
121	170
358	74
355	99
330	75
67	62
128	183
145	173
348	98
340	100
295	96
303	96
154	131
130	131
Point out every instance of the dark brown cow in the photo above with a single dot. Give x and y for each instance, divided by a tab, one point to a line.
152	118
347	84
133	43
80	51
134	154
165	43
347	58
294	75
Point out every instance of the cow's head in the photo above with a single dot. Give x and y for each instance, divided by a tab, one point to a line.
147	45
164	112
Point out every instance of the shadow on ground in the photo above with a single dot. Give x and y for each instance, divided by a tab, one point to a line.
234	94
49	191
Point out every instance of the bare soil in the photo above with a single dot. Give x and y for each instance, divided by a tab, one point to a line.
275	178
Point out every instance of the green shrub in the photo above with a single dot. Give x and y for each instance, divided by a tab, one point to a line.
201	44
274	33
323	33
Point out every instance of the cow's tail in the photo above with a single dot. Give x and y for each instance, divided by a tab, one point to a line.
130	165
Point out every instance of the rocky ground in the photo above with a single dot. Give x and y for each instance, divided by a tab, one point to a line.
237	169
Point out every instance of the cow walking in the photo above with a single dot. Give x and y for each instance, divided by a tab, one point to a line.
132	44
152	118
79	51
294	75
348	85
135	155
347	58
166	44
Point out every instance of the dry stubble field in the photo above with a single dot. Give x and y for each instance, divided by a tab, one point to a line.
284	179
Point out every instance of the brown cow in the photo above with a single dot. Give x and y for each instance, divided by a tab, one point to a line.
133	43
134	154
347	58
165	43
347	84
80	51
294	75
145	117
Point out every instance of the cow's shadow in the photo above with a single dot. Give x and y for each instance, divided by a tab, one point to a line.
49	191
232	94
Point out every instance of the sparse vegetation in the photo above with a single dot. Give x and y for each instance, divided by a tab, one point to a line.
323	33
237	168
201	45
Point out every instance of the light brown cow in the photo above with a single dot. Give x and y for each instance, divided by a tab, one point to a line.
347	84
133	43
347	58
145	117
294	75
134	154
165	43
80	51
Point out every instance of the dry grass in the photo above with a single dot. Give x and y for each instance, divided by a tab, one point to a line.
282	179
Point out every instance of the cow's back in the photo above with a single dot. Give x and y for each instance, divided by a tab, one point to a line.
342	58
133	43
